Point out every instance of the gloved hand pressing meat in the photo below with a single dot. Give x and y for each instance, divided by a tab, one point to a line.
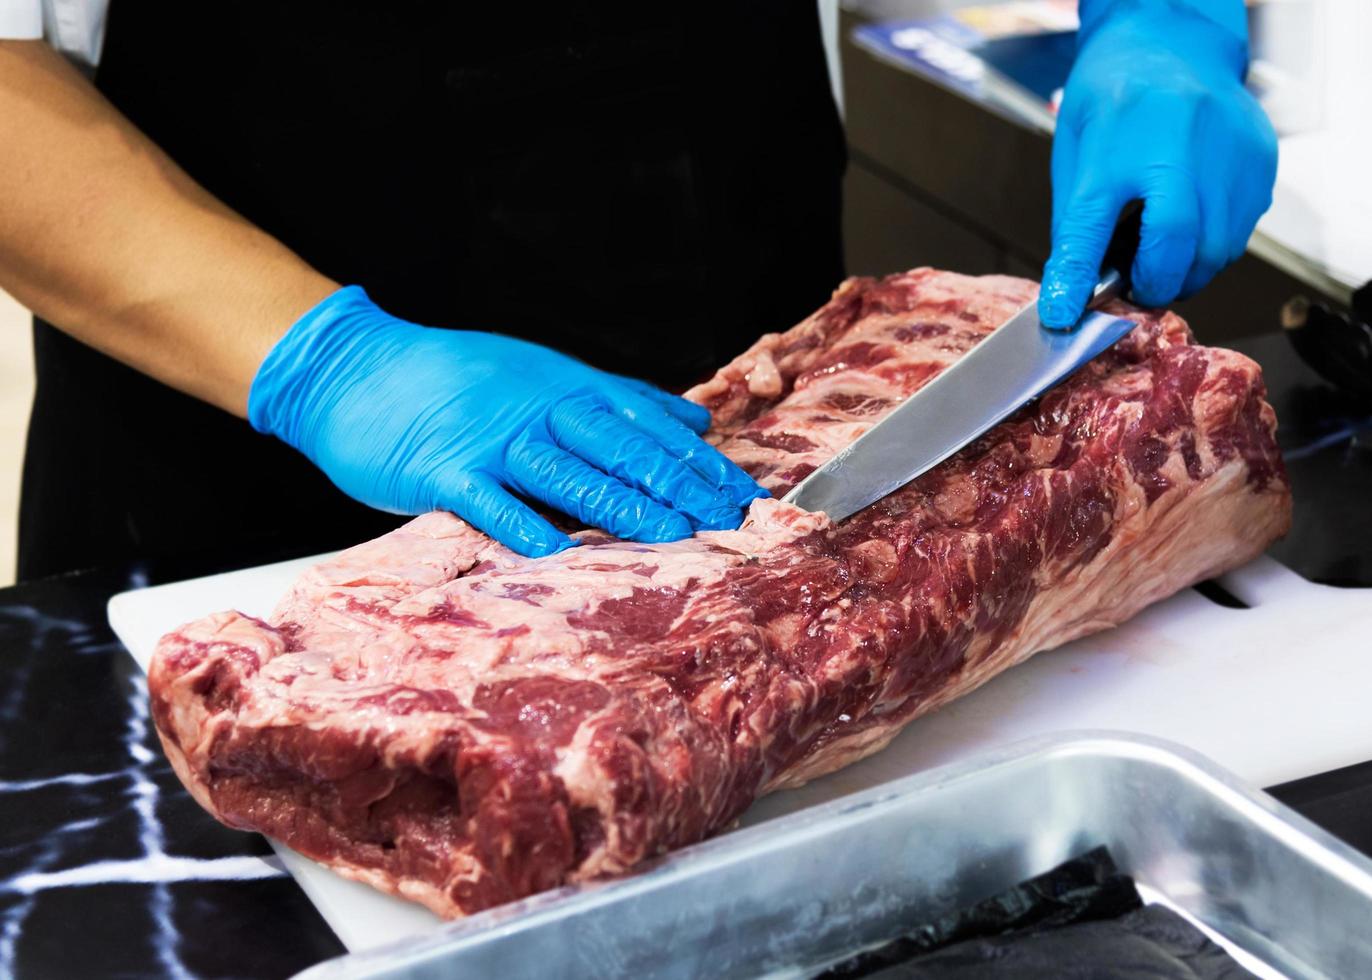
1155	109
409	419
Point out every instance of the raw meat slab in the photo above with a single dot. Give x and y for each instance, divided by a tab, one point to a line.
436	717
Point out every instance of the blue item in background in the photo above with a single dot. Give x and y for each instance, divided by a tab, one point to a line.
1039	63
1019	74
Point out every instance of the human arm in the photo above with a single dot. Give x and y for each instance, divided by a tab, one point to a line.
104	236
1155	109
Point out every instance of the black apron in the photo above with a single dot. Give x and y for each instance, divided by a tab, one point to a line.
646	186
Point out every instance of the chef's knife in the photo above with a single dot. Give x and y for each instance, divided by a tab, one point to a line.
1004	372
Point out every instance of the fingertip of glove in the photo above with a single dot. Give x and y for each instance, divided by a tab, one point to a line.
670	527
531	536
546	546
1056	319
694	417
1153	296
723	519
742	488
1056	309
676	527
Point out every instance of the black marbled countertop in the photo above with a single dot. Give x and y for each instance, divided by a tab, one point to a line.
108	868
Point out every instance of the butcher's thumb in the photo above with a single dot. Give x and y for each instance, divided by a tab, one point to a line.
1073	269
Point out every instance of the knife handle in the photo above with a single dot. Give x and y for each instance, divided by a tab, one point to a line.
1118	265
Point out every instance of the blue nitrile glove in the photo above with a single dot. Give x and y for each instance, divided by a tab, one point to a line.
409	419
1155	109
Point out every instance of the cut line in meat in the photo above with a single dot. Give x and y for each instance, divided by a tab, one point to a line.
440	718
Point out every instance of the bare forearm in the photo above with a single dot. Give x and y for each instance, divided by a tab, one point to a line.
104	236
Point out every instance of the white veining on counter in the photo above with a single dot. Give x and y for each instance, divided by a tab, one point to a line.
49	865
145	793
71	779
17	677
77	636
159	869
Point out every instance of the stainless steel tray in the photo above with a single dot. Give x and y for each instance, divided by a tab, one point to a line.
800	890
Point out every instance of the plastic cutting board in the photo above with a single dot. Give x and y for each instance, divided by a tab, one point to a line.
1273	692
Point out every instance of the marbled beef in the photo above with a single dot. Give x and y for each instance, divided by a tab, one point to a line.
438	717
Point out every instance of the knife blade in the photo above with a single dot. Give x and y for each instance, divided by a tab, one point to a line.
1007	370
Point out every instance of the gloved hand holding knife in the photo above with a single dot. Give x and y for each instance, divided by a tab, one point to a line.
1155	110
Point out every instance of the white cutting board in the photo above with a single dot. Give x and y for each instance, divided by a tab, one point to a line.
1273	692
